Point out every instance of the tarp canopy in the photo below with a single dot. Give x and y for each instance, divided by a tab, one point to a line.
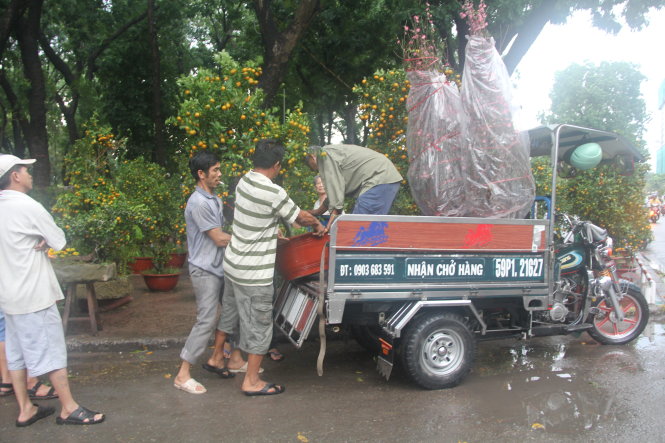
542	139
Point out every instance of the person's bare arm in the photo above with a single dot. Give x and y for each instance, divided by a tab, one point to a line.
219	237
304	218
320	210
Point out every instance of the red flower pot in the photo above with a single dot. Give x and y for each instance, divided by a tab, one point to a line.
140	264
177	260
161	282
301	256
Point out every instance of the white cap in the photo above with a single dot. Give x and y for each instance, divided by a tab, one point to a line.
9	161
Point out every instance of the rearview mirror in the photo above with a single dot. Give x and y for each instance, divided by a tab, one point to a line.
565	170
625	164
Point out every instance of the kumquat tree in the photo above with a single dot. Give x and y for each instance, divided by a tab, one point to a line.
221	110
114	209
382	111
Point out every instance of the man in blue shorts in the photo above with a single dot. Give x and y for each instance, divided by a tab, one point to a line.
29	289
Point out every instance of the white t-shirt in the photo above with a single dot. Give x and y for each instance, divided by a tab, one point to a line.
27	280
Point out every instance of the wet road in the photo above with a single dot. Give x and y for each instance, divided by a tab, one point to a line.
547	389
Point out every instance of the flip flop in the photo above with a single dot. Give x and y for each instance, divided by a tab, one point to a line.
275	355
190	387
32	393
243	368
9	387
42	411
276	389
222	372
79	417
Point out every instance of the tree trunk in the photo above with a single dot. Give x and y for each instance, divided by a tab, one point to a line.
528	32
19	145
20	124
159	152
350	120
69	113
14	10
27	31
278	45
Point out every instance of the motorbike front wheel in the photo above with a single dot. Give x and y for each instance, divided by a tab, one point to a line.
608	330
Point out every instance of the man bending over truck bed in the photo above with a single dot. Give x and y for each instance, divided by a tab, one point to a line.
354	171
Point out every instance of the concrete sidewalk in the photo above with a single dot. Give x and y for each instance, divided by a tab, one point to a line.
150	319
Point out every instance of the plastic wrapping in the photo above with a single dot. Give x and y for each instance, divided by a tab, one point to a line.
434	140
466	158
499	181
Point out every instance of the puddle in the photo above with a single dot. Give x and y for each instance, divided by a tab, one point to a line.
653	336
551	384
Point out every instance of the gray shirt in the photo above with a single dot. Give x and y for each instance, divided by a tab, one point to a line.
203	213
350	170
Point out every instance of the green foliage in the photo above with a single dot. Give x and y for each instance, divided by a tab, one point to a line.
610	200
115	209
221	111
655	183
382	106
603	97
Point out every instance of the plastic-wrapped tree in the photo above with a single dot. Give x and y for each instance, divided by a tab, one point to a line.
435	126
466	158
499	181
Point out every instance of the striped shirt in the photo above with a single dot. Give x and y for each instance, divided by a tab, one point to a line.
250	257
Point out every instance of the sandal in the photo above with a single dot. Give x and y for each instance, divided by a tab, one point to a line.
222	372
268	389
275	355
191	386
82	416
42	412
32	393
9	389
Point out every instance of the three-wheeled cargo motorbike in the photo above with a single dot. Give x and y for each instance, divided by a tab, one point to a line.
422	291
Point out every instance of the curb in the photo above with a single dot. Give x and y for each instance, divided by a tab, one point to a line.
94	344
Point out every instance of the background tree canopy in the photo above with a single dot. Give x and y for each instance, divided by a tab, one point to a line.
606	96
119	61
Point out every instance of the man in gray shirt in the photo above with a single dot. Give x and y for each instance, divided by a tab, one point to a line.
354	171
205	242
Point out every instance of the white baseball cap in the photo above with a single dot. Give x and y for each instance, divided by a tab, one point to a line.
9	161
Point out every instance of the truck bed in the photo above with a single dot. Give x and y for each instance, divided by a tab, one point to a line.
392	258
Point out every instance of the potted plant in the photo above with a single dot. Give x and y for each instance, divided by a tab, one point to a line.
161	277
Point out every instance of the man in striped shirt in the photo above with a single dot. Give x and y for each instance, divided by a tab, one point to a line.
249	261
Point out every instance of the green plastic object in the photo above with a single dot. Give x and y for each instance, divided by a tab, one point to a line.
586	156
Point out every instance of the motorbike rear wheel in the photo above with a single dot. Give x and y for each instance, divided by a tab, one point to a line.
608	331
438	350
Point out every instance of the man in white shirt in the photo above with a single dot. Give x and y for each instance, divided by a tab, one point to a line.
29	289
